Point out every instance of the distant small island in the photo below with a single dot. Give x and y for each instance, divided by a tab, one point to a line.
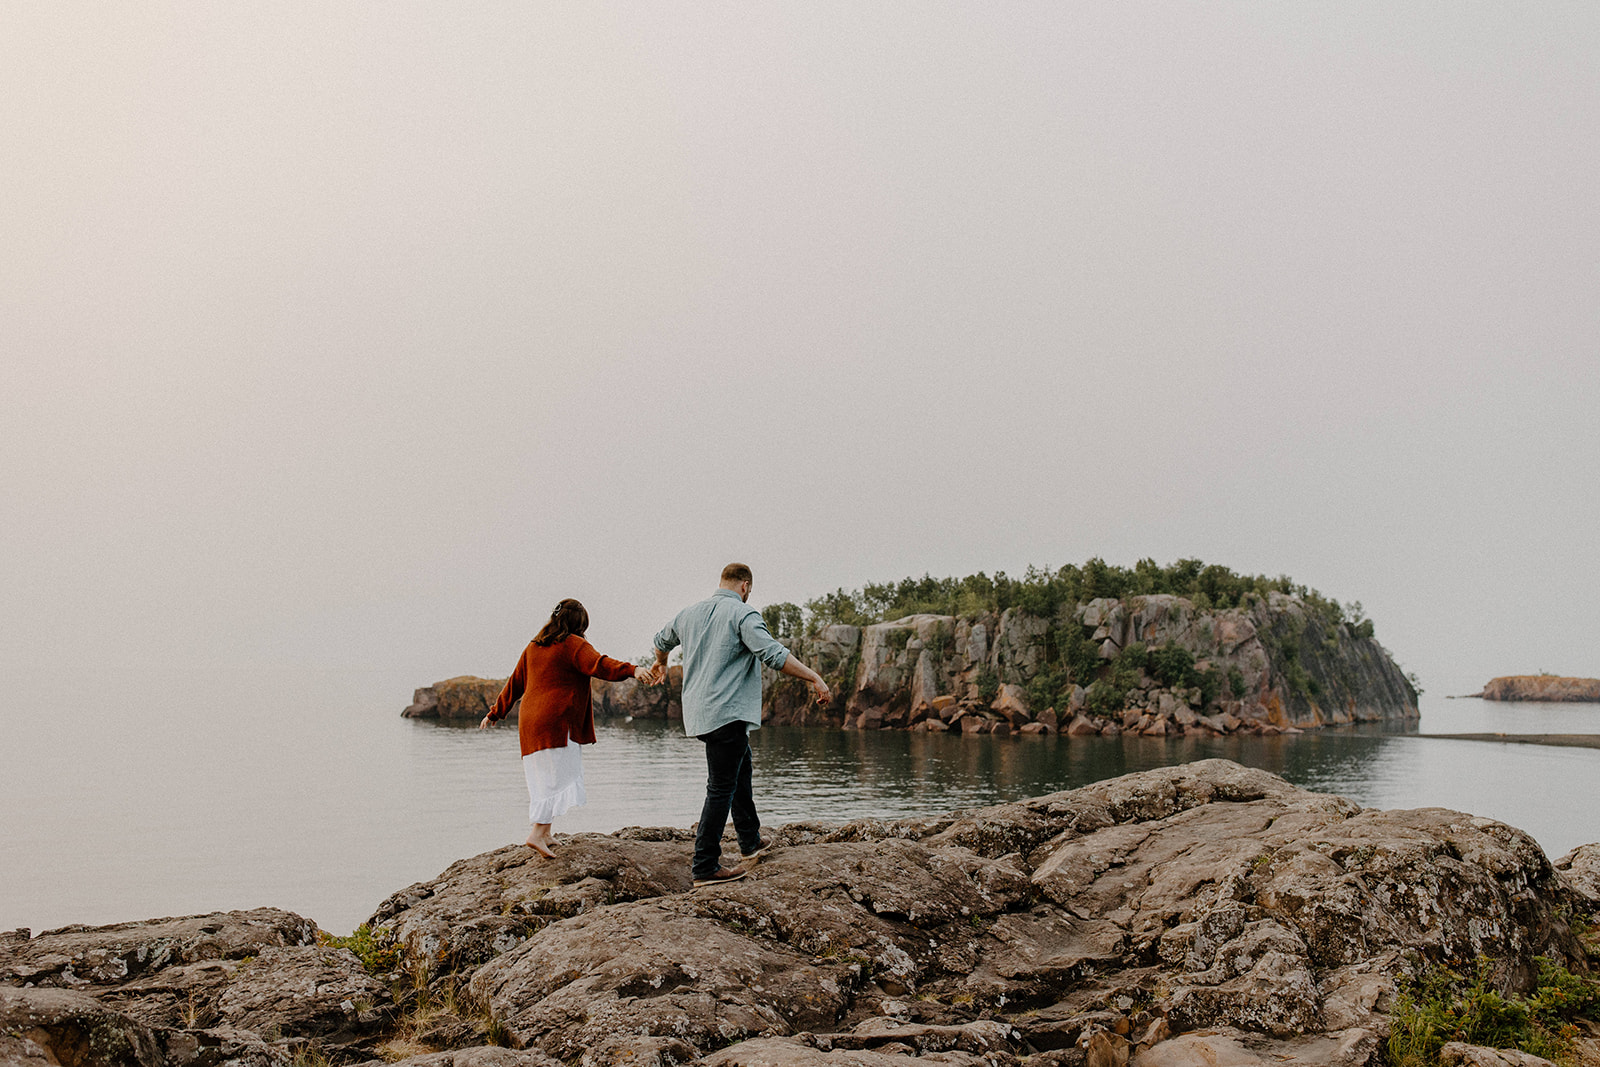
1544	687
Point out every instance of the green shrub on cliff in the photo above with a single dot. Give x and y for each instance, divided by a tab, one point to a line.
1105	699
1046	593
1081	659
1049	688
1171	665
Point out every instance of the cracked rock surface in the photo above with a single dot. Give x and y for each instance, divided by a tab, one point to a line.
1200	913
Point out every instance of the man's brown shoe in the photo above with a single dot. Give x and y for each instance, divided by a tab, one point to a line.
723	874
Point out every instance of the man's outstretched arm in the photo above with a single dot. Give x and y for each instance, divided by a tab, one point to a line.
795	669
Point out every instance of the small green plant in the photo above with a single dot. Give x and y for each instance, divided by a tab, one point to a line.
1104	699
1441	1005
193	1012
988	683
1045	690
377	951
847	676
495	1031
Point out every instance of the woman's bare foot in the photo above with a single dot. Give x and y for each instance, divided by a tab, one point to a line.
540	840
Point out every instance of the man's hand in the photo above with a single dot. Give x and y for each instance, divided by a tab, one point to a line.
649	676
795	669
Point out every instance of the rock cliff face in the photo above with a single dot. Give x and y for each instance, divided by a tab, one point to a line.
1206	913
1542	687
1150	664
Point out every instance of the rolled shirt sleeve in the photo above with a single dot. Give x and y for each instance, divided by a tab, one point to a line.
667	639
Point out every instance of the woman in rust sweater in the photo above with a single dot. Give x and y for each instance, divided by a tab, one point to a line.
552	678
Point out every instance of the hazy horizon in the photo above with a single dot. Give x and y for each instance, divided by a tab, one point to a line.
348	336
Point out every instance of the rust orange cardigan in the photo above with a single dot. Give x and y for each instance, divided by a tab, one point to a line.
553	682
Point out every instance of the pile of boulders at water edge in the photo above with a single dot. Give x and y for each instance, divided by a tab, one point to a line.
1199	914
1151	712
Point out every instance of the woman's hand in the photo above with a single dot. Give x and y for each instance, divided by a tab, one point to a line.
486	723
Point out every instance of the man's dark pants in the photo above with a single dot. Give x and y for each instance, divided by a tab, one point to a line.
727	787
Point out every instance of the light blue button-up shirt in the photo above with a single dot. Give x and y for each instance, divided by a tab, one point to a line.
725	641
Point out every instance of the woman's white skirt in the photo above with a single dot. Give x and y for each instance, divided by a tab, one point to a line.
555	781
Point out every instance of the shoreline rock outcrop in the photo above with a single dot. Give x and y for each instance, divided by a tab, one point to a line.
1200	913
464	698
1542	687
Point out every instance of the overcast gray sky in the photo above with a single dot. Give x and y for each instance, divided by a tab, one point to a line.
357	334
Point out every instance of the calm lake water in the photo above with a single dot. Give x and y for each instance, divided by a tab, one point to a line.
217	791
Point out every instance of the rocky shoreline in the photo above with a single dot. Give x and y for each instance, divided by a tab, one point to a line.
1204	913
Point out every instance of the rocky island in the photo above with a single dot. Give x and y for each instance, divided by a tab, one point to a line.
1199	914
1544	687
1223	654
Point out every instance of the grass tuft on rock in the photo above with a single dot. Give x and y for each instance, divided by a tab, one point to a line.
1440	1005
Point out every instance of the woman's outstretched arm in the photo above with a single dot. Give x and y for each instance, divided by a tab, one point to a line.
592	663
514	687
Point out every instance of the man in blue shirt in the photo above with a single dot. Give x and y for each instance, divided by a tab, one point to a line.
725	641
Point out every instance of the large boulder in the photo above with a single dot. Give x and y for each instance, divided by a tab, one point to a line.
466	697
1581	869
82	957
1201	910
484	906
777	955
218	978
65	1028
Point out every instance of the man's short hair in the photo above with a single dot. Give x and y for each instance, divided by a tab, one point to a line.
737	572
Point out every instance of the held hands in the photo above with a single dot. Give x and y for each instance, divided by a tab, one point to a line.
653	676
